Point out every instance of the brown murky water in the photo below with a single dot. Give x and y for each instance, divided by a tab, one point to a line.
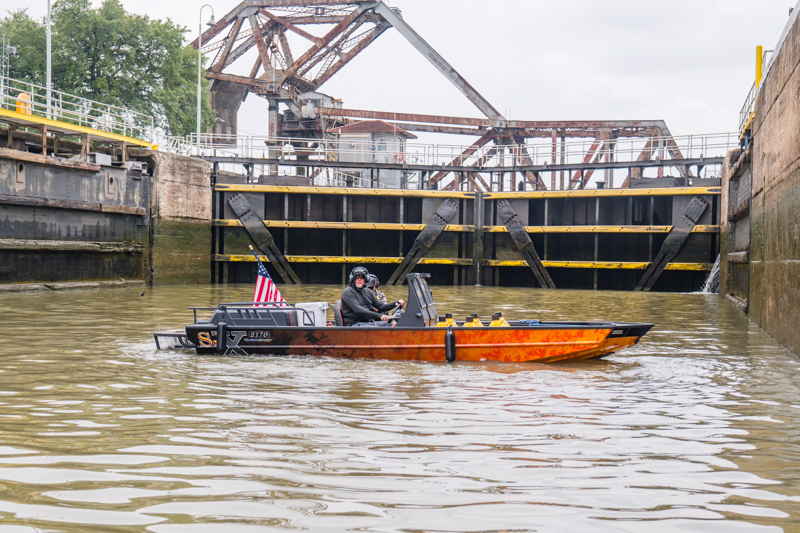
695	429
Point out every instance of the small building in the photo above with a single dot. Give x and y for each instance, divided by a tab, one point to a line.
372	141
316	99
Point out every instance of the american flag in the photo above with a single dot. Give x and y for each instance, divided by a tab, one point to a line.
266	290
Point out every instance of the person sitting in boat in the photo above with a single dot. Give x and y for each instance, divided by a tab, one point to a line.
372	284
359	303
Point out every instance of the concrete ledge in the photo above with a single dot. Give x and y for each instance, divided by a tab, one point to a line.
68	285
72	204
28	157
70	246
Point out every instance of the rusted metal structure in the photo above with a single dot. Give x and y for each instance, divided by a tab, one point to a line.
290	80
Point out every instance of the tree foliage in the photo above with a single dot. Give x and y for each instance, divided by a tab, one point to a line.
28	36
115	57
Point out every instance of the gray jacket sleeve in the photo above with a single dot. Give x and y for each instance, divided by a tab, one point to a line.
379	305
382	307
350	298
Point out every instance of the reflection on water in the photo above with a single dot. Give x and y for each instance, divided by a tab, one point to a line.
695	429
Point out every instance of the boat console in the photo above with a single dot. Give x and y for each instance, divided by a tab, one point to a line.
420	307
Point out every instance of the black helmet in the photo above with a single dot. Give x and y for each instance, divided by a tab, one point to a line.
358	271
373	282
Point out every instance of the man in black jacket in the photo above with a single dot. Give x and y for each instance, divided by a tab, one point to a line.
360	305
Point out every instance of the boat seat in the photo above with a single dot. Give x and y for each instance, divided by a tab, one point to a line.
285	318
338	317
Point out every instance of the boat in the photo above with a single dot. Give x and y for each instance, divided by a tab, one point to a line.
271	328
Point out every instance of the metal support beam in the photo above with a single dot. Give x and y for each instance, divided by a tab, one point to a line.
263	53
524	159
348	56
441	65
231	39
288	25
286	50
644	155
225	21
673	243
479	163
508	217
262	238
579	177
554	141
477	239
337	30
532	128
425	240
587	174
240	50
459	160
674	151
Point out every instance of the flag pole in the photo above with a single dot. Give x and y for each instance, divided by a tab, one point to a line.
258	259
271	284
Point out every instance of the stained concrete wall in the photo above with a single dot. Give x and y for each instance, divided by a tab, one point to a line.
65	221
774	251
180	217
725	226
70	221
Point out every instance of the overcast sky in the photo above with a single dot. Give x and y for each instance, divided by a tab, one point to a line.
689	62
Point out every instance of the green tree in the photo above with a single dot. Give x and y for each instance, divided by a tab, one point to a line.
28	36
115	57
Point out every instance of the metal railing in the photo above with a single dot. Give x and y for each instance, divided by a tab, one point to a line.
286	150
175	145
763	65
30	99
747	108
538	153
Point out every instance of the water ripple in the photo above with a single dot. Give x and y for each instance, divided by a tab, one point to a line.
694	429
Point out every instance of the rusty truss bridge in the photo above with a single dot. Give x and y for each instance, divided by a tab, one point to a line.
332	34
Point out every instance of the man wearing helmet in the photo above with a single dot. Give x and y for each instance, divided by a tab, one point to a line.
372	284
359	303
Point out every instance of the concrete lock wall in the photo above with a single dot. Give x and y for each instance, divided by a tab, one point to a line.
67	223
180	201
772	219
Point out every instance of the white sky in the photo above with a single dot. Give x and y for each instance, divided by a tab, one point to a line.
689	62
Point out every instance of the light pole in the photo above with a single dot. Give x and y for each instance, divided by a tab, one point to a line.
211	22
49	63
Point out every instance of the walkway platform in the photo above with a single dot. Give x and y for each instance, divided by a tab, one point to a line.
65	128
26	105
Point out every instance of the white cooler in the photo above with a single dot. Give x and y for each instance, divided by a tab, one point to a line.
318	312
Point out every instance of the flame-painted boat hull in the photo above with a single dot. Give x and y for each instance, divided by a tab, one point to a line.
274	328
546	342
